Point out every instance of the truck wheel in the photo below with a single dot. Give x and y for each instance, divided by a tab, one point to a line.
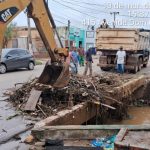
135	69
144	65
105	68
140	62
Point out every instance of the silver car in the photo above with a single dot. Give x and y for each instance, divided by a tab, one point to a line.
15	58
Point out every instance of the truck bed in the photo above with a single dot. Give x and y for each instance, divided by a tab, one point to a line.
130	39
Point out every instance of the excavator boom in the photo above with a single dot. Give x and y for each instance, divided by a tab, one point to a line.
56	72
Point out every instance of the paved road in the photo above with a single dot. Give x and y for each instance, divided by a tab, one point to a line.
10	78
7	81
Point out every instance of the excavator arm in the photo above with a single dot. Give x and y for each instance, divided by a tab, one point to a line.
38	11
56	71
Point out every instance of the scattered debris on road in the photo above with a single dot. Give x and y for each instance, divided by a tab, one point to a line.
13	116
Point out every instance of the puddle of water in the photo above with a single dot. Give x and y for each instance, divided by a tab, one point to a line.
138	116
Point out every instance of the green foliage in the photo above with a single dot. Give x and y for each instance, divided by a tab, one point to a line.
8	33
38	62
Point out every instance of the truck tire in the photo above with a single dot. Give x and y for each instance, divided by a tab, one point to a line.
105	68
145	65
140	62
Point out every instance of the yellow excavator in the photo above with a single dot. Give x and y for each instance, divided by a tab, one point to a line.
56	71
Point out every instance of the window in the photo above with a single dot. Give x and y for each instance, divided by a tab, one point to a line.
89	34
22	52
13	53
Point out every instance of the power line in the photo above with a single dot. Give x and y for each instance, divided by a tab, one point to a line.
129	16
64	23
60	22
85	7
74	9
66	19
74	20
89	3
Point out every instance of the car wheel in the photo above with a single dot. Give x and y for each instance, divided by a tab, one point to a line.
31	66
3	69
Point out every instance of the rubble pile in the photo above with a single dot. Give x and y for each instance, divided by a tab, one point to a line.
79	89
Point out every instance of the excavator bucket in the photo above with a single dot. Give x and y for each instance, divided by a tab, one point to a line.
55	75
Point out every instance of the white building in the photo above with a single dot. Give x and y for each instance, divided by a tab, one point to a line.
90	37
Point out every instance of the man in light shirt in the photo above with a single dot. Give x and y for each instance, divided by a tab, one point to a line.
120	57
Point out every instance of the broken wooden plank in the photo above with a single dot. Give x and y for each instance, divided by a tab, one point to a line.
33	99
4	137
105	105
121	134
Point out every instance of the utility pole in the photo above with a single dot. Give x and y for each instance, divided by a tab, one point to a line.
30	46
69	34
114	13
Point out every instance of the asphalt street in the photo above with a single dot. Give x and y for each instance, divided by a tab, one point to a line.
7	81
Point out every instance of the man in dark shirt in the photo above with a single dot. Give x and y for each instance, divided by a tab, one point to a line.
88	62
104	25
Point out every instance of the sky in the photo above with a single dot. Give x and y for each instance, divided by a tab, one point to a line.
81	13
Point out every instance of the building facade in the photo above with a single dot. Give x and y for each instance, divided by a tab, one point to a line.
77	37
90	36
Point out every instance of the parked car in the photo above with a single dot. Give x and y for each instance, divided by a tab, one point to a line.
15	58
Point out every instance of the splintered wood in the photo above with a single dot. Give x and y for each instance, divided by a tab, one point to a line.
33	99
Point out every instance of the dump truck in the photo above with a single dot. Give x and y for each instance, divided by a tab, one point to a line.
136	43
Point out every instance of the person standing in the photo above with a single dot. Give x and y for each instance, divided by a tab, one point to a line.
75	60
120	57
104	25
88	62
81	56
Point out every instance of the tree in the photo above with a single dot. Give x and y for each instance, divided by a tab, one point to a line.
8	34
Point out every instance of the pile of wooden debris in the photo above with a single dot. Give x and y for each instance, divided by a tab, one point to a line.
43	101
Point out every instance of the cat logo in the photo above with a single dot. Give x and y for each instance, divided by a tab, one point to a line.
6	14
